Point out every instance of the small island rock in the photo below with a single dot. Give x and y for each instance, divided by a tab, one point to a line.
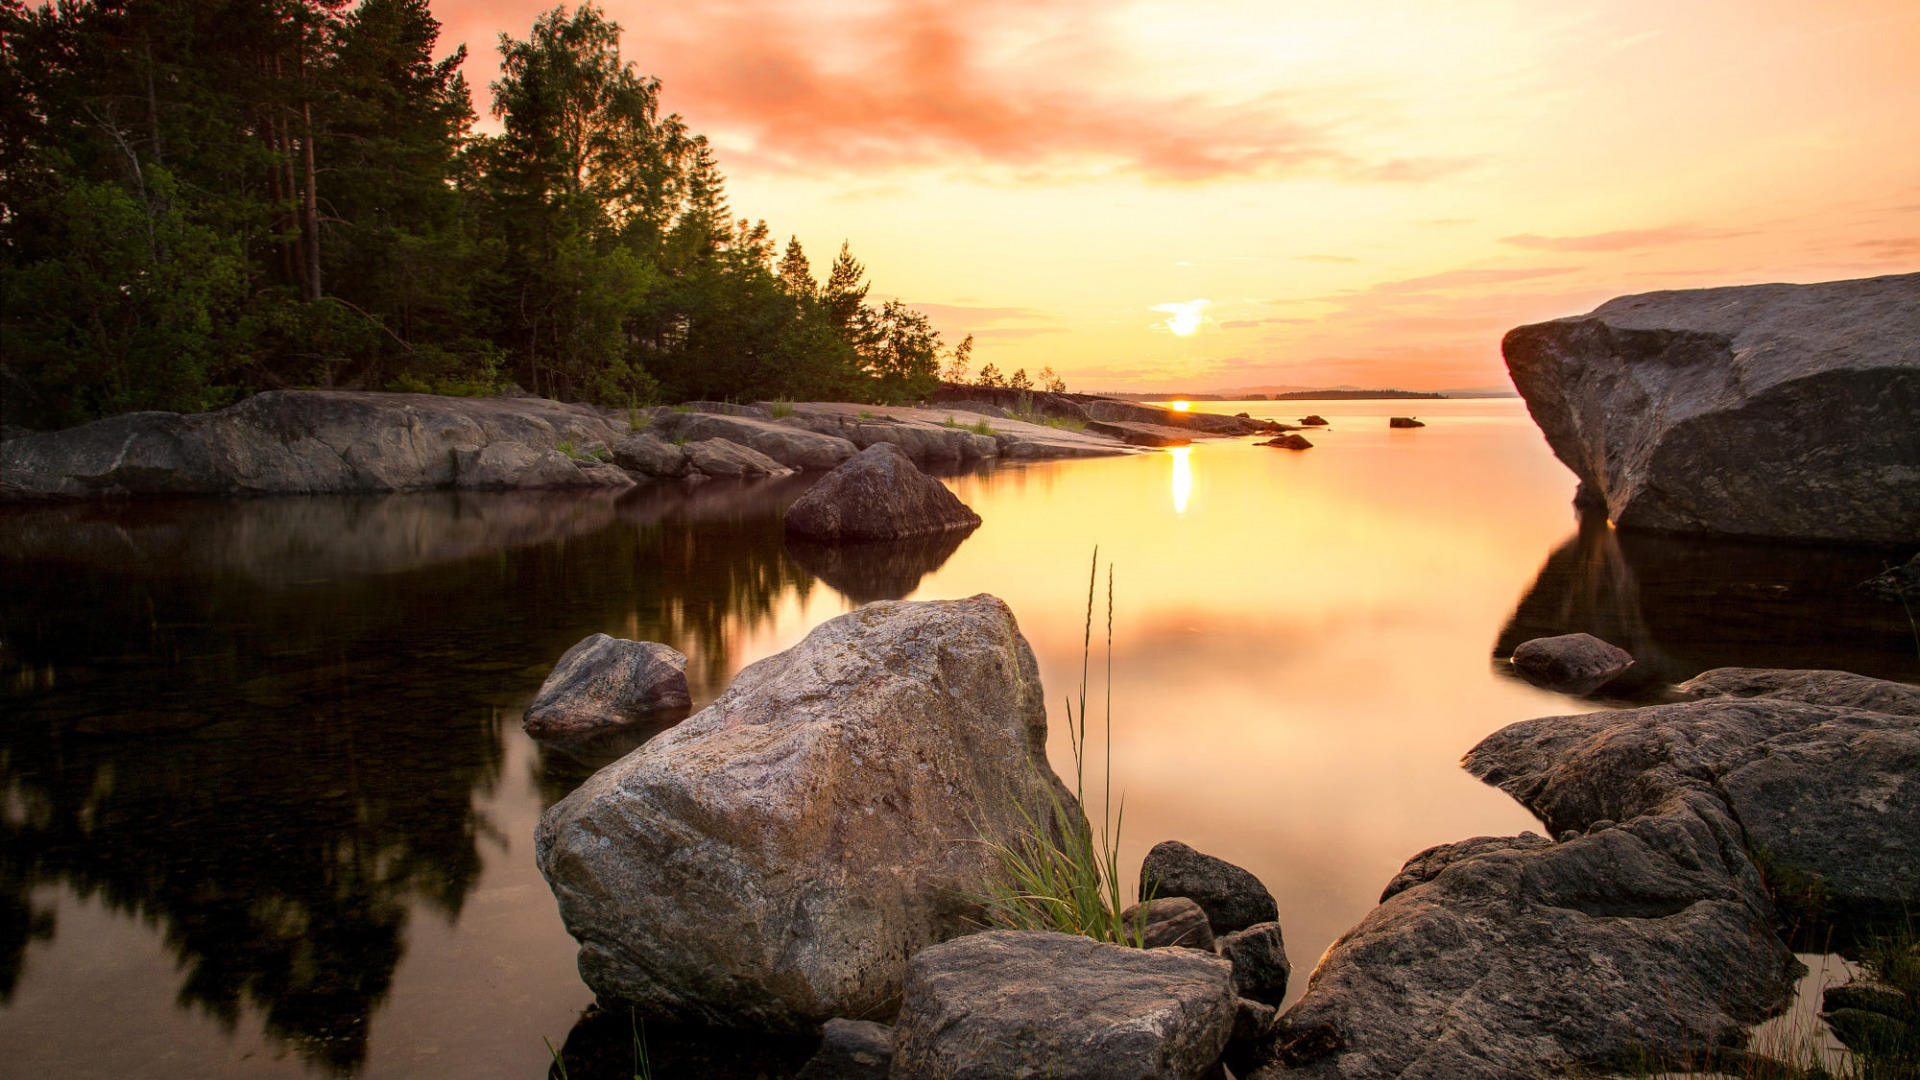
1290	442
1570	663
878	494
1314	420
604	682
1011	1003
1404	422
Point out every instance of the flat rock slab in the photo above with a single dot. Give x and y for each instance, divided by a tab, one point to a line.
1134	433
311	442
1823	785
772	861
878	494
1764	410
721	458
605	682
1021	1005
941	434
793	447
1570	663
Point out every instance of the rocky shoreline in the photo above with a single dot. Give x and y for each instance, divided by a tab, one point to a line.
309	442
803	856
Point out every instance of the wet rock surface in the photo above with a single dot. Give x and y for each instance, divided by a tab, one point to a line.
1570	663
606	682
1009	1003
772	861
1232	898
1779	411
878	494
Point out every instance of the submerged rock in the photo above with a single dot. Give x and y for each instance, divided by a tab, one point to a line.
1766	410
772	861
1570	663
851	1050
1232	898
1010	1003
878	494
605	682
1898	584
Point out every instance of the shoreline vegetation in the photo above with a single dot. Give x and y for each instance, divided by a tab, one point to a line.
205	201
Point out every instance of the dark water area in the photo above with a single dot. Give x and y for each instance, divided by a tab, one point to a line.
266	809
1684	605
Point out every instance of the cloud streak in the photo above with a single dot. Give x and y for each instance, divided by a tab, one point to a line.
1621	239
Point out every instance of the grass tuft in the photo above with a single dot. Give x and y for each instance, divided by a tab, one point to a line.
1056	874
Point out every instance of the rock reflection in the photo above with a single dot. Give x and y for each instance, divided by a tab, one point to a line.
1683	605
885	570
261	726
601	1047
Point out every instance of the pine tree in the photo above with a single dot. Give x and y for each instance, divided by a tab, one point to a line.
795	275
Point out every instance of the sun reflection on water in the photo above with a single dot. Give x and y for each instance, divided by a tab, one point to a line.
1182	478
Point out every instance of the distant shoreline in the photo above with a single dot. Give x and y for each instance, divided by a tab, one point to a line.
1293	395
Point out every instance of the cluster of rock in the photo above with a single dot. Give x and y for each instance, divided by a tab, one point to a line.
1644	930
1779	411
806	852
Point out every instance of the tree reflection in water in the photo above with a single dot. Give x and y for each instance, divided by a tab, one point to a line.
1683	605
262	725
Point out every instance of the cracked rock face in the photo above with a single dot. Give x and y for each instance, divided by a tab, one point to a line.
772	861
1765	410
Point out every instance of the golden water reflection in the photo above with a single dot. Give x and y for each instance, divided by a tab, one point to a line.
1181	456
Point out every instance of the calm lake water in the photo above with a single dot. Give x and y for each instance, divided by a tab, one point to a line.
266	809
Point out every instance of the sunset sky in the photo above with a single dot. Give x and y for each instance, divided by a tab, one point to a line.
1364	192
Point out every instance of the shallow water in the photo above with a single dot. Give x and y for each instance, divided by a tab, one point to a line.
265	808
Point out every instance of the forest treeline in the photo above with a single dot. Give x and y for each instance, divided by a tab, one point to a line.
200	199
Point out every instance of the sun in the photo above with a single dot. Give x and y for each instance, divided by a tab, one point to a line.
1183	318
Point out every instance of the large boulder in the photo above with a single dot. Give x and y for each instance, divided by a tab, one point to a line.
1232	897
288	442
772	861
793	447
1818	770
650	455
1516	958
605	682
878	494
1011	1005
1765	410
1570	663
